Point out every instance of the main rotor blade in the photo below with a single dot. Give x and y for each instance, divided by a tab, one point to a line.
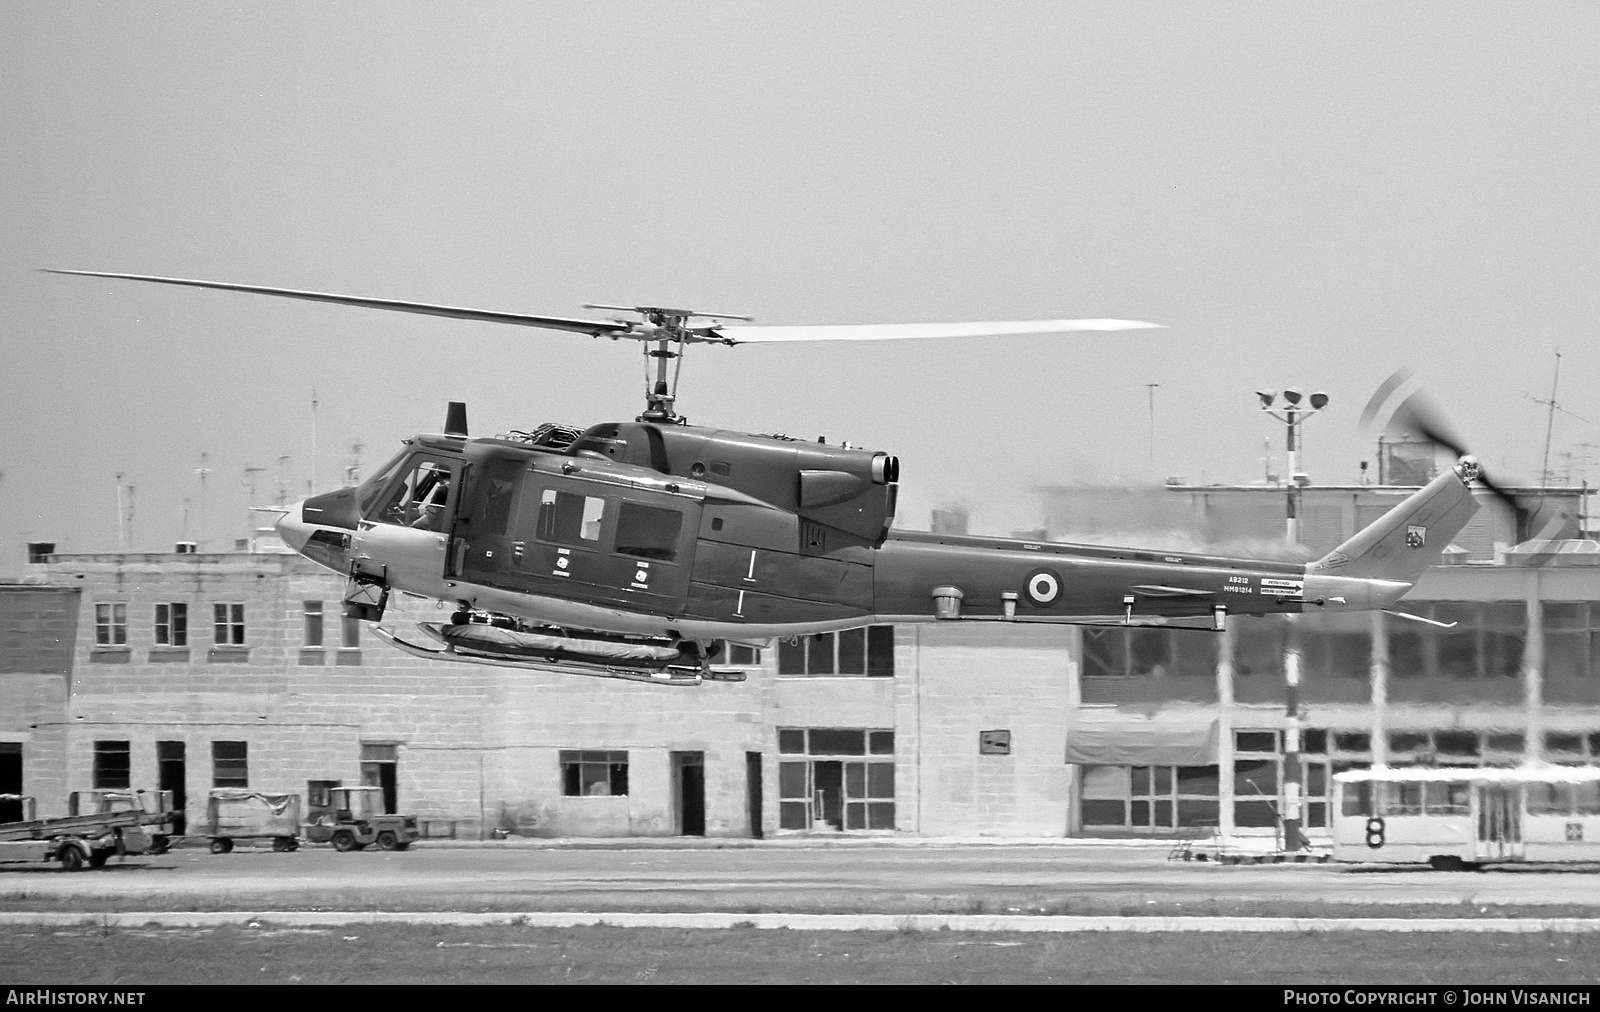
596	328
909	331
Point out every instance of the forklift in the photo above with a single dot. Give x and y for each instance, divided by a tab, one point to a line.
353	818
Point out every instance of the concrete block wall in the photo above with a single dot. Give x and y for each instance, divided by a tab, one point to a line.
964	678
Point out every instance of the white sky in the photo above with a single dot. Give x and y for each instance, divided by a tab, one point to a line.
1305	194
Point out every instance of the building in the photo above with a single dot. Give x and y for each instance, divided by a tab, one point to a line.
189	671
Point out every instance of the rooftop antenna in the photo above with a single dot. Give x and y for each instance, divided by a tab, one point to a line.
1550	419
130	518
122	536
283	481
312	484
352	474
250	483
1152	388
183	512
201	472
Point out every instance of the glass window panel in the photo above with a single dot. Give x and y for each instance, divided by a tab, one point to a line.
352	632
1255	777
313	623
1447	798
1572	743
880	742
1566	655
1509	742
1316	815
1152	652
1566	615
880	780
1502	654
819	654
880	651
1197	813
1258	648
595	779
838	741
1586	798
1194	656
1352	741
1163	815
1163	780
855	815
1105	653
1255	741
1102	812
1316	779
1543	799
1254	814
791	657
791	740
792	780
1401	798
1357	798
793	814
1105	781
880	815
1408	741
1201	780
1141	781
853	652
1410	649
1456	743
569	519
111	765
644	532
855	780
1139	814
1314	741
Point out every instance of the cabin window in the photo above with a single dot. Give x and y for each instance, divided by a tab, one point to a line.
569	519
648	532
594	773
1448	798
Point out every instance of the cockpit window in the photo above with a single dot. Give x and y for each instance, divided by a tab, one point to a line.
372	489
419	500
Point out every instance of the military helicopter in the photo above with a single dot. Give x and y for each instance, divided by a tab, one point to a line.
633	549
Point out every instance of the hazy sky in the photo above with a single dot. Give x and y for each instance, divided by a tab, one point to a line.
1304	194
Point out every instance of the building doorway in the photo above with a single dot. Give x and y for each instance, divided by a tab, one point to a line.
827	792
11	780
689	782
380	767
171	775
752	778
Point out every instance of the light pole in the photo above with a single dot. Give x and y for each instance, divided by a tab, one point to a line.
1294	415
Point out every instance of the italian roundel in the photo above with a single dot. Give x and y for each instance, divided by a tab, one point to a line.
1043	587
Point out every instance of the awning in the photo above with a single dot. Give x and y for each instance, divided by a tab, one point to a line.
1120	738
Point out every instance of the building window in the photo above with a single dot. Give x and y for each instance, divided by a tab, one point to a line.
111	765
110	625
352	633
228	624
1134	651
230	763
866	651
836	779
739	655
1150	797
594	773
380	767
172	625
313	620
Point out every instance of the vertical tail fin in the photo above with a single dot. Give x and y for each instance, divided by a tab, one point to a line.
1407	539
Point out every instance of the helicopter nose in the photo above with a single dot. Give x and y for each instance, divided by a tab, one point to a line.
293	529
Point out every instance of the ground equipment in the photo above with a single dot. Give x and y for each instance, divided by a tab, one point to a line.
105	827
236	813
354	820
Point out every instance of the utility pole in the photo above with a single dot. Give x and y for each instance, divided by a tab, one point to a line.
201	472
122	531
250	483
312	485
1152	388
283	480
1293	769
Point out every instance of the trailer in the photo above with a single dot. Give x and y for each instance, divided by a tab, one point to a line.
76	841
235	813
153	808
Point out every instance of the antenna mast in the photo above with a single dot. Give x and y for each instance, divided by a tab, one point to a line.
312	485
201	472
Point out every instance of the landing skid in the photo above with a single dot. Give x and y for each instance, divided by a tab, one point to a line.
567	666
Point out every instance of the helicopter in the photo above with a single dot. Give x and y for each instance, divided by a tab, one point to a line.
635	549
